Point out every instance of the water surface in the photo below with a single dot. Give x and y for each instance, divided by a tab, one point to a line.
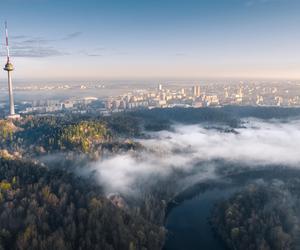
188	223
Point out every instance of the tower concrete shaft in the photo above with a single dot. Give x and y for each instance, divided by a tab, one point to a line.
10	90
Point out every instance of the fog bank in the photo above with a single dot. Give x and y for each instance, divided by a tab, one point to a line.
194	147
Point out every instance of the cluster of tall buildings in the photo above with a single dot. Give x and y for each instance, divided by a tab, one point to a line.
209	95
161	97
167	96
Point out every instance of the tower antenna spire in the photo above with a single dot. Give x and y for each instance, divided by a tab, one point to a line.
7	45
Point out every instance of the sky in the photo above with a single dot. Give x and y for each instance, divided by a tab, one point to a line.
126	39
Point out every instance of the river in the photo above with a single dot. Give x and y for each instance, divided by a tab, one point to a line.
188	223
187	219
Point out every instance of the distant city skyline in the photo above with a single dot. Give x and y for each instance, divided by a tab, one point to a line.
60	39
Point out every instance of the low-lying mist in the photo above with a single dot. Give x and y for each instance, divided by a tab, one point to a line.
192	150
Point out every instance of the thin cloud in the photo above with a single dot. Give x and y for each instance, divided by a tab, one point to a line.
36	41
72	36
94	55
26	46
250	3
34	51
18	37
99	52
38	52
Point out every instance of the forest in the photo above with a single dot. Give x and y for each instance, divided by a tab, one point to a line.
53	209
262	216
44	204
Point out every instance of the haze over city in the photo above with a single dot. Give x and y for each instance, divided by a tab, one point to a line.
153	39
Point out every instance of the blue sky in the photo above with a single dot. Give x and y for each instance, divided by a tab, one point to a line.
97	39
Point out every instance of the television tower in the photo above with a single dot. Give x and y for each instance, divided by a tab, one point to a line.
9	68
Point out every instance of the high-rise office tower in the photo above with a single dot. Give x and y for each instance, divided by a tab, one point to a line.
159	87
196	91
